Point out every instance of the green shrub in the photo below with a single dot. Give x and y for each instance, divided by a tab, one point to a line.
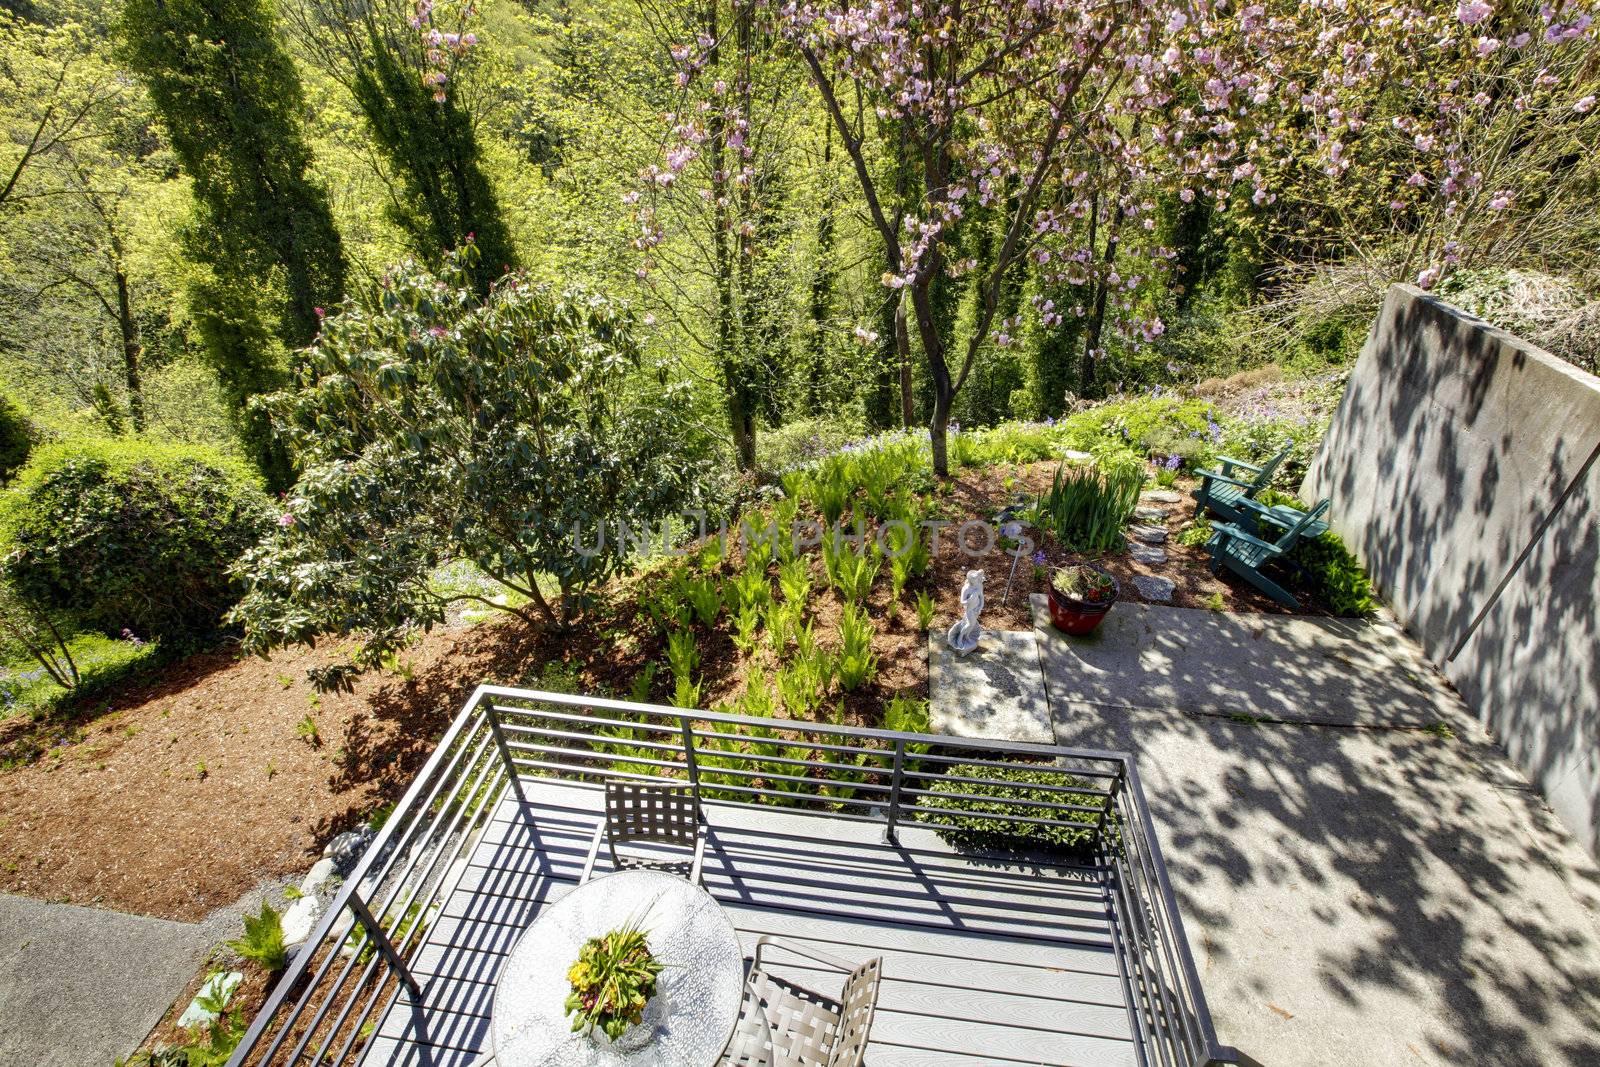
976	828
1335	575
1256	440
1012	442
120	535
1087	505
1145	424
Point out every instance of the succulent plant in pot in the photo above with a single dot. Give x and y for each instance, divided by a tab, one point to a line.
1080	596
612	979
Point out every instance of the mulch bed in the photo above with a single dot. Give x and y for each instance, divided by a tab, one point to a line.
193	784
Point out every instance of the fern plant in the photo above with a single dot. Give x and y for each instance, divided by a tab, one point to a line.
794	579
924	609
683	656
745	625
752	588
855	572
857	662
704	595
640	691
782	620
262	942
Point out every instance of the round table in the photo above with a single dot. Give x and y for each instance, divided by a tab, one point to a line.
699	989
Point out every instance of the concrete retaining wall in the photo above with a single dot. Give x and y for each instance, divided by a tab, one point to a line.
1461	465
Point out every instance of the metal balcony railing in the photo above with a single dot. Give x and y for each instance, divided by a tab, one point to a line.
356	963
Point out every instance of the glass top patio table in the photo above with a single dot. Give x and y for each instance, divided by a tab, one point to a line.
698	993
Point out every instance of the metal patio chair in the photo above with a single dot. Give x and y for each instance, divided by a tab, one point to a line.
642	814
787	1025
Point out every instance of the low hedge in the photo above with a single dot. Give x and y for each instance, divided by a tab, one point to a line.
115	535
977	828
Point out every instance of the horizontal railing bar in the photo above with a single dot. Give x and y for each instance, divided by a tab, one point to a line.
567	716
592	738
819	746
1013	765
1026	820
975	743
820	783
1047	787
627	776
1046	805
617	757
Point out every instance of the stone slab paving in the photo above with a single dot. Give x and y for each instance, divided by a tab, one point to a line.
1292	667
995	691
1354	893
80	987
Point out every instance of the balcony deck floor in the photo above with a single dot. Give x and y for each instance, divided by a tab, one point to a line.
985	961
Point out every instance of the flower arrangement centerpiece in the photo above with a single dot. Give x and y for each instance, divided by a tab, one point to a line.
612	979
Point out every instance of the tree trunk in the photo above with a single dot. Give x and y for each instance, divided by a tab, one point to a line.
741	421
129	330
902	347
1097	317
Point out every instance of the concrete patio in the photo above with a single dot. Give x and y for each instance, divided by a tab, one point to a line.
1366	878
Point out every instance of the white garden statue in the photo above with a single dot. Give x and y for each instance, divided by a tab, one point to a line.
963	636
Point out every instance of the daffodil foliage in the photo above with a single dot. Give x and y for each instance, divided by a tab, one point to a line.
432	425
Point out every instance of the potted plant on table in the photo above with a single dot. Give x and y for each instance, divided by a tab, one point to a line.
1080	596
613	981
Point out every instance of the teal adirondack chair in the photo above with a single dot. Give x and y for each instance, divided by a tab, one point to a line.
1246	555
1221	491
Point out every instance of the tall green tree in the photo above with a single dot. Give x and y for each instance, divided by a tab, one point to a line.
409	69
264	236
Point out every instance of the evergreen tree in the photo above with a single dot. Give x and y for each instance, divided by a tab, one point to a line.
406	68
263	237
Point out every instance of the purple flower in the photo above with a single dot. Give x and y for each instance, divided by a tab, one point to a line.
1172	463
286	520
1038	558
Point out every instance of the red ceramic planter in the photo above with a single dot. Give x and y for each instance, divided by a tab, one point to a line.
1076	616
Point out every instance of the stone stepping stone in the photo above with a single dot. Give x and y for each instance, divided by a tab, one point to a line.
996	691
217	988
1150	535
1150	514
1146	553
1154	588
1164	496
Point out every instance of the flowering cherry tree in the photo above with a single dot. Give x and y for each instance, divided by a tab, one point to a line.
1053	109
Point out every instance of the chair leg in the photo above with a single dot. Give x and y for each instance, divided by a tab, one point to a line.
594	852
1268	586
699	856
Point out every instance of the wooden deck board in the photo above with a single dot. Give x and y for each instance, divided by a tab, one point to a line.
984	961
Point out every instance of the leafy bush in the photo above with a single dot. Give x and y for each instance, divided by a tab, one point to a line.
1335	575
117	535
1256	440
1156	422
977	828
517	430
1012	442
1087	505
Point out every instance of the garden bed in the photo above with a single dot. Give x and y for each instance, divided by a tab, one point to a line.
123	803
